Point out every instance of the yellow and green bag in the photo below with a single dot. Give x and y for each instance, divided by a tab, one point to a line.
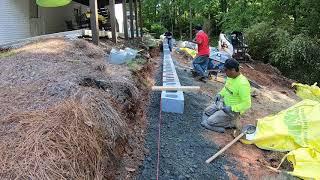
296	129
293	128
306	163
191	52
307	92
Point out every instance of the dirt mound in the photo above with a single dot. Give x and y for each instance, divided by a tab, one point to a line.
265	75
64	113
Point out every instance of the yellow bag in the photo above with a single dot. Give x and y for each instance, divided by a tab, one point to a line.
296	129
298	126
191	52
306	163
308	92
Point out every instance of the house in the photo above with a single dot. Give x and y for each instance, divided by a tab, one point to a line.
24	18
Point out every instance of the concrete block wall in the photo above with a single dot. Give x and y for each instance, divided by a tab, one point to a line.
171	101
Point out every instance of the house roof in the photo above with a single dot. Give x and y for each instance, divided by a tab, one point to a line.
101	3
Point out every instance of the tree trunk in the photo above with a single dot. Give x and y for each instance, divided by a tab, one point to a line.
190	20
94	21
131	19
172	16
125	19
113	20
140	18
224	5
136	17
179	23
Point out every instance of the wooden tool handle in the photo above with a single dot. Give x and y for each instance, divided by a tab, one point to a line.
224	149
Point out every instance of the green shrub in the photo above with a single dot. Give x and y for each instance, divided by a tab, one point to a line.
260	41
263	39
158	29
149	40
6	53
299	59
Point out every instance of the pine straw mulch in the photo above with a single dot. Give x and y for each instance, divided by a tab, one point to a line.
64	112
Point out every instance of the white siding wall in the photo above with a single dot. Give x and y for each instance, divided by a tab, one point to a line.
119	17
14	20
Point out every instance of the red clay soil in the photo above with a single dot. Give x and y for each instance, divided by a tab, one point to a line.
265	75
134	155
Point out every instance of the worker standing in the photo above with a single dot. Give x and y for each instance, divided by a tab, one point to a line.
200	63
234	99
169	38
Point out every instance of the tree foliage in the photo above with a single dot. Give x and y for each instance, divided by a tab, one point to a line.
285	33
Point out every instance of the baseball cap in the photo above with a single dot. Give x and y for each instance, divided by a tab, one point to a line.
231	64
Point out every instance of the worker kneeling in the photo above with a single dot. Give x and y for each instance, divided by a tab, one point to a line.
232	101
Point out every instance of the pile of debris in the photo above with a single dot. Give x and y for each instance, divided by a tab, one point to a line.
64	112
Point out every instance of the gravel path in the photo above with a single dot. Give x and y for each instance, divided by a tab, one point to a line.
183	148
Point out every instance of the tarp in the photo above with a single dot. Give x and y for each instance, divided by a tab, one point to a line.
307	92
53	3
191	52
296	129
306	163
293	128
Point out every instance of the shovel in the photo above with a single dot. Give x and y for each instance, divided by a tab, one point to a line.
247	129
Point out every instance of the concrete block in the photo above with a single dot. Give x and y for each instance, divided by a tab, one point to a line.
172	102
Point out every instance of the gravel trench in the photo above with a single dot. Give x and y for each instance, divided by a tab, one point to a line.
183	148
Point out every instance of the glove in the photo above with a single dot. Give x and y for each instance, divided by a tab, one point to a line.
227	110
217	98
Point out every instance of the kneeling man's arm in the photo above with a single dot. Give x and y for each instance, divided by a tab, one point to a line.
245	96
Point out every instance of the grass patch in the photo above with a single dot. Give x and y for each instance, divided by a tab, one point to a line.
136	64
6	53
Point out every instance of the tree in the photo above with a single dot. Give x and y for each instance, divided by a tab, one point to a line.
271	25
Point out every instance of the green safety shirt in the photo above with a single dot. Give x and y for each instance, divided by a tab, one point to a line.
236	93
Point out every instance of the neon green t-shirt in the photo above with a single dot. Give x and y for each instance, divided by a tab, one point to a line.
236	93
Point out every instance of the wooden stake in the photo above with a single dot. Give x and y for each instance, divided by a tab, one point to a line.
249	66
94	21
176	88
224	149
125	19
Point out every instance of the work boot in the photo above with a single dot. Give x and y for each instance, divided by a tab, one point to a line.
210	110
194	73
204	80
213	128
201	79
